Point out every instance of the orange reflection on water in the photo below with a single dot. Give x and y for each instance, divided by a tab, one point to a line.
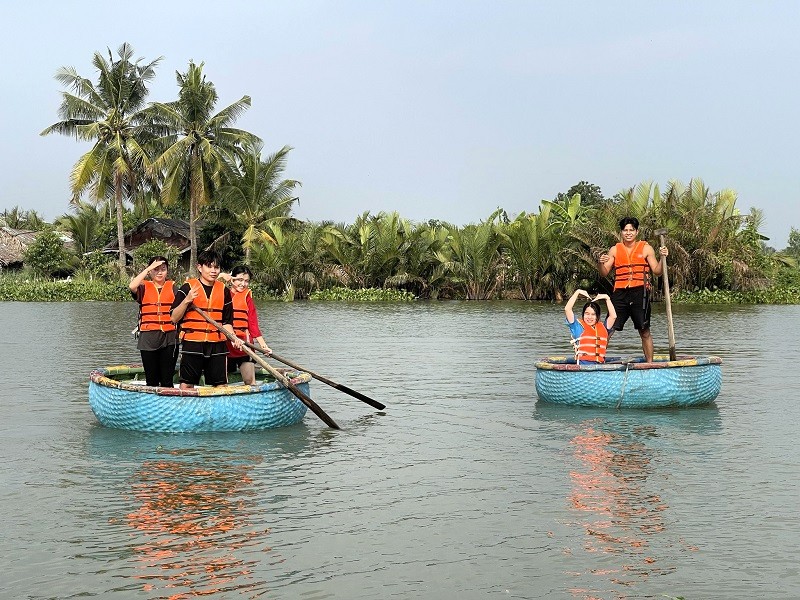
192	520
620	515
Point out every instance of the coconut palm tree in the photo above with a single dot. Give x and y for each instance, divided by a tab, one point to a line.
199	149
259	198
111	115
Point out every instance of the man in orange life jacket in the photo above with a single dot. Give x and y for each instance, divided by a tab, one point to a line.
203	350
633	261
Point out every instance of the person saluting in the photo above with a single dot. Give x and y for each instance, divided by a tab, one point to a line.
632	261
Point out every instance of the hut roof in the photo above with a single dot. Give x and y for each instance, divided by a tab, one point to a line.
174	232
13	243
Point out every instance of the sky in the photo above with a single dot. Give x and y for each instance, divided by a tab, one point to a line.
442	109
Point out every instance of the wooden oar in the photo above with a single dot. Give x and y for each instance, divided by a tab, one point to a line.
333	384
272	370
670	329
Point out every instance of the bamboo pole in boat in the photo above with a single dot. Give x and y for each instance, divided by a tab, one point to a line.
670	328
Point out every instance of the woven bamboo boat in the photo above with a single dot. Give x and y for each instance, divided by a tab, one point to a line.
630	382
120	399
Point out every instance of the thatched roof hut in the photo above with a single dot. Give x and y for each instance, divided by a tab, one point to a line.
13	243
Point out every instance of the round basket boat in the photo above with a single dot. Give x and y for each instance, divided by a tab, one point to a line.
120	399
630	382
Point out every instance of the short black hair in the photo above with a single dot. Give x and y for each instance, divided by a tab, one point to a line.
209	257
159	257
239	269
594	305
628	221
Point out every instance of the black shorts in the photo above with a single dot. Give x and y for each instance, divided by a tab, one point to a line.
234	363
634	303
204	358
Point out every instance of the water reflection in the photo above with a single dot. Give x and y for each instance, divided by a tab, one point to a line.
616	474
196	512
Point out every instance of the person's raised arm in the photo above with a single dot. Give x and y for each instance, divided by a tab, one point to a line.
606	261
571	302
656	264
612	312
138	279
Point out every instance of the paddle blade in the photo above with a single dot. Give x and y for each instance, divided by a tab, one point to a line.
360	396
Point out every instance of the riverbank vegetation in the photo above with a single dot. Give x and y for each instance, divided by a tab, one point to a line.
183	160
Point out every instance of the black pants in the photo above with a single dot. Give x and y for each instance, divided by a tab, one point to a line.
159	365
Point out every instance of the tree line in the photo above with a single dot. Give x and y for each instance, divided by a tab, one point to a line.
182	159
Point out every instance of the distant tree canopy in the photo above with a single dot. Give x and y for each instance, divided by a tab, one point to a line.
591	194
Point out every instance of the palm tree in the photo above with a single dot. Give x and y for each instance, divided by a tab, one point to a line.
111	115
474	260
200	149
259	198
83	226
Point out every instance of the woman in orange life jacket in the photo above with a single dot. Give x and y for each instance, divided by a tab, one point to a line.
632	260
589	335
157	334
245	323
203	349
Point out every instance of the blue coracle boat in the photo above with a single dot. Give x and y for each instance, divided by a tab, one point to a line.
120	399
630	382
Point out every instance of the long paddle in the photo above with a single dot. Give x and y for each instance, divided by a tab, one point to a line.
670	329
274	372
333	384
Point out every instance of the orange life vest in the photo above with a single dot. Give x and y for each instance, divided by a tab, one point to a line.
154	310
240	322
193	327
591	346
630	267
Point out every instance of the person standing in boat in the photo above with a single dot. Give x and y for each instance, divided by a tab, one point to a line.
203	349
632	260
245	323
589	334
158	337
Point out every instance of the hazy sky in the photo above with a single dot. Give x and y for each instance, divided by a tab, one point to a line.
445	109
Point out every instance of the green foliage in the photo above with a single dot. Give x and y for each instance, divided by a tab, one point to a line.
591	194
107	227
98	266
200	147
151	248
793	249
111	115
363	295
21	290
17	218
775	295
46	256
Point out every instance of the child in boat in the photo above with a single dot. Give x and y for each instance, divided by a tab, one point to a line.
158	337
589	335
245	323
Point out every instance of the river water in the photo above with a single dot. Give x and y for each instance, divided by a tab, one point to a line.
464	487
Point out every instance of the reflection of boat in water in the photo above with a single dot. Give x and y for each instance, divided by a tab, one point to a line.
680	421
192	519
619	469
120	399
194	511
630	383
